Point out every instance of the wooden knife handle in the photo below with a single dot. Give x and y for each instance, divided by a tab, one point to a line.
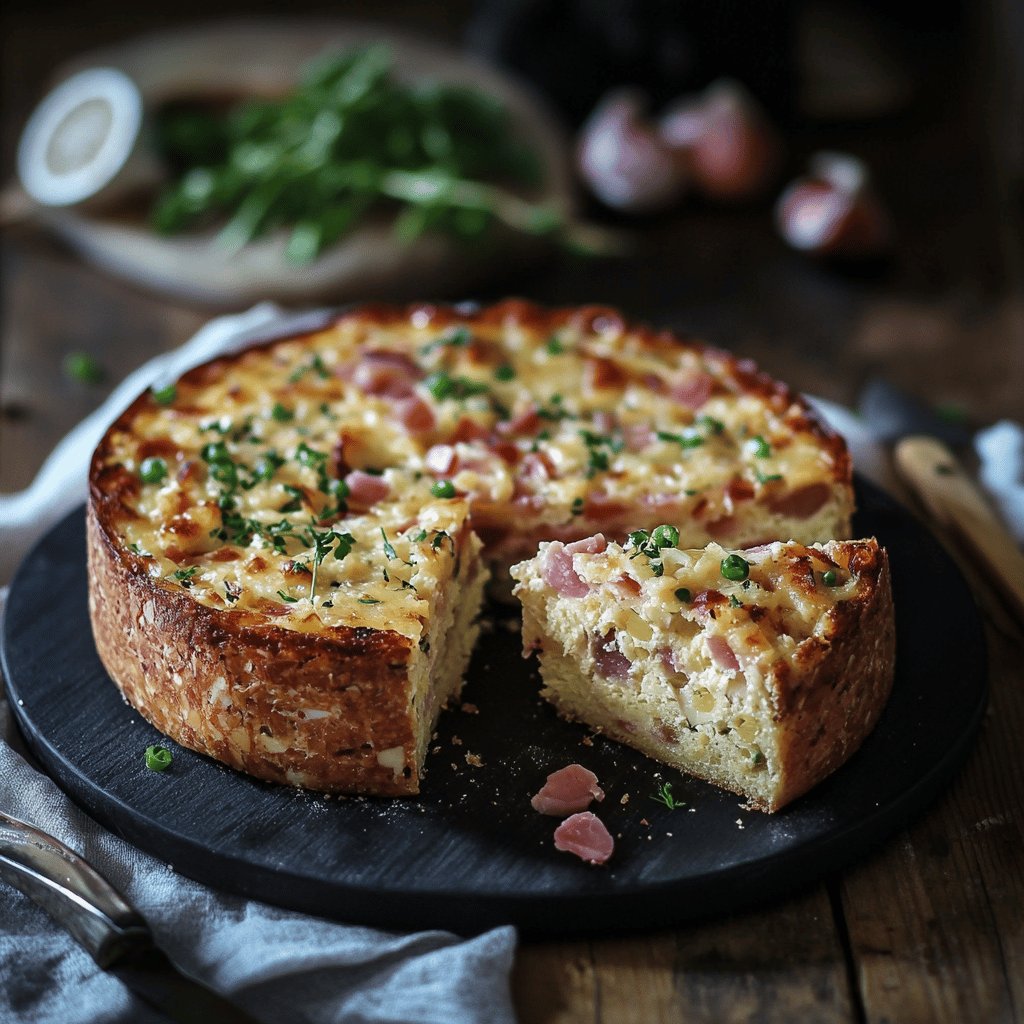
953	499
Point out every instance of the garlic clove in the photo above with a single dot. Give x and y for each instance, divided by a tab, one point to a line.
624	161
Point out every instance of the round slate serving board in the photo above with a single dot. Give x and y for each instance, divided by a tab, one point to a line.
470	852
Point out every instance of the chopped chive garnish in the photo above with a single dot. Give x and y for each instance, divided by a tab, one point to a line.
165	395
281	414
577	506
554	346
664	796
443	489
734	601
368	600
735	568
685	440
715	426
158	759
389	549
152	470
505	372
766	478
286	597
184	576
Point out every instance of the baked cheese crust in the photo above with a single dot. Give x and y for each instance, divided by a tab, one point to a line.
760	670
285	563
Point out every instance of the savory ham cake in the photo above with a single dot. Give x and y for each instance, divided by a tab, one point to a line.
759	670
288	546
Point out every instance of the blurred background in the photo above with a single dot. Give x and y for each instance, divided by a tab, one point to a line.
922	283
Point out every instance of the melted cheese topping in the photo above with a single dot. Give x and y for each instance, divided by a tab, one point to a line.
244	476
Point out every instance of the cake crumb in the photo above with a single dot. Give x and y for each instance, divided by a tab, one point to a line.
436	750
644	821
456	741
739	822
470	709
624	799
474	761
587	741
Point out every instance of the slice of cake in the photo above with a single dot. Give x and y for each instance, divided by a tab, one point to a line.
760	670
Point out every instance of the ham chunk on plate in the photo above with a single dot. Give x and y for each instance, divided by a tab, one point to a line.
585	835
570	789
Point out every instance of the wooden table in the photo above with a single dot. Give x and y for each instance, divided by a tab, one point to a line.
931	926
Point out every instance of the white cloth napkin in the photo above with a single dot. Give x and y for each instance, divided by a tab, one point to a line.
281	966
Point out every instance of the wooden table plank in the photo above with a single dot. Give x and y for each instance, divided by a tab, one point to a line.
780	964
934	919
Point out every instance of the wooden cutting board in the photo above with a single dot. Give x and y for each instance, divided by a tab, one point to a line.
470	852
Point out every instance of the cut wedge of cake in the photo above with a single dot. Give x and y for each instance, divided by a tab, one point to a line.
759	670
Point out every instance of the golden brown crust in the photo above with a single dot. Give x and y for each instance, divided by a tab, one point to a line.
236	688
845	678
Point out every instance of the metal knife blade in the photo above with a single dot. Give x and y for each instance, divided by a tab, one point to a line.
892	413
111	930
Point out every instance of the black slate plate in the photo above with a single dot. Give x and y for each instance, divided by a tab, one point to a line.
470	852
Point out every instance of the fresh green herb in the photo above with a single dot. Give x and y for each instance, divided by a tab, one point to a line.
505	372
443	489
286	597
711	424
266	466
600	448
760	447
555	410
665	537
310	457
389	549
734	601
419	537
577	507
315	365
353	139
83	367
298	496
281	414
184	576
829	578
683	594
766	478
442	385
440	536
458	337
368	600
735	567
554	346
757	757
689	440
135	549
664	796
650	544
165	395
152	470
158	759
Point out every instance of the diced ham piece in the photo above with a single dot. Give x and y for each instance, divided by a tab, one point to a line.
559	573
538	467
605	422
721	653
525	422
365	489
638	436
692	391
467	429
566	791
415	415
585	835
626	585
439	459
801	503
609	661
588	546
667	658
386	374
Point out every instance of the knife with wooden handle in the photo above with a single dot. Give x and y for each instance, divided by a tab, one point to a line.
113	932
953	499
